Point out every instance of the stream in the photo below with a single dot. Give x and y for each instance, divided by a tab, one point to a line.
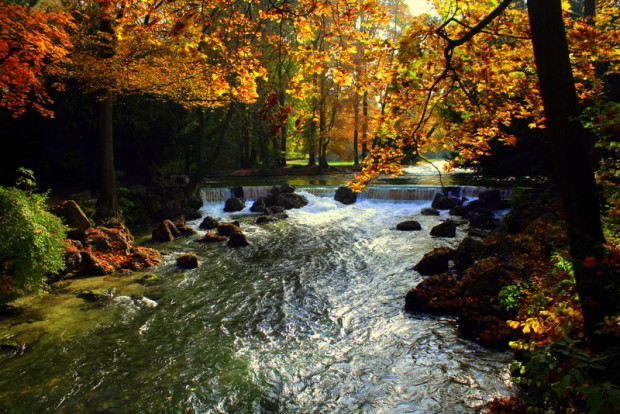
307	319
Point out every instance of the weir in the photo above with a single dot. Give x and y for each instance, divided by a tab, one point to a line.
388	193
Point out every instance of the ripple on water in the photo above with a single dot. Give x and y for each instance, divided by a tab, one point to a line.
308	319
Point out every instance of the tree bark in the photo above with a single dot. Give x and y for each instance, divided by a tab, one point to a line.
107	204
356	121
570	146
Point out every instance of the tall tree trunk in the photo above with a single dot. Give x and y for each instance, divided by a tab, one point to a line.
201	166
107	205
365	125
570	146
356	122
322	133
284	136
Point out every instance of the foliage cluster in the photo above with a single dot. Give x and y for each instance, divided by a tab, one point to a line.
604	121
31	242
558	371
454	90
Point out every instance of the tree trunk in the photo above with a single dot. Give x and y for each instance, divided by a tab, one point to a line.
322	133
570	146
365	125
356	121
201	166
107	204
283	137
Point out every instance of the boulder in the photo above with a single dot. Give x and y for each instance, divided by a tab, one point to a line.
435	261
488	275
238	239
141	258
234	204
187	261
271	218
238	192
283	195
436	295
108	249
443	202
73	257
259	205
484	221
287	188
409	225
469	251
208	223
429	211
73	217
274	210
182	226
291	200
445	229
211	237
165	231
95	295
475	205
149	279
115	238
345	195
488	330
92	263
225	229
459	210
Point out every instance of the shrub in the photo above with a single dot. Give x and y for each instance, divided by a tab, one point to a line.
31	242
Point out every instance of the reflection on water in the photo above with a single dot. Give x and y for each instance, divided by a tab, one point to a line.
308	319
420	174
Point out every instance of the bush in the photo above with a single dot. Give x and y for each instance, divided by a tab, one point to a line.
31	242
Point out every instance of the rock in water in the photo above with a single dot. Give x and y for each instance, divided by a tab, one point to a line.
445	229
165	231
225	229
234	204
436	295
409	225
429	211
187	261
210	237
238	239
271	218
435	262
345	195
208	223
443	202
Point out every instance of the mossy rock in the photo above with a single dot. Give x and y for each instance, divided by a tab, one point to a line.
95	295
149	279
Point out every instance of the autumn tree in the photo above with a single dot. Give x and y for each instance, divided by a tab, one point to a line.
465	77
170	50
34	44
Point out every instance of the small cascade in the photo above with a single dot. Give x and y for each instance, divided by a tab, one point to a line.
388	193
399	194
215	195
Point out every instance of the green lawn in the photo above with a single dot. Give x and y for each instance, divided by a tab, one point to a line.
305	162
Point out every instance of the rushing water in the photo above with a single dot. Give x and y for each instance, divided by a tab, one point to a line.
308	319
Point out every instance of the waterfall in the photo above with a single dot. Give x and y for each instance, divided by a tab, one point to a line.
391	193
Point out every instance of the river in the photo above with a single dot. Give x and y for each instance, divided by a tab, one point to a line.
307	319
